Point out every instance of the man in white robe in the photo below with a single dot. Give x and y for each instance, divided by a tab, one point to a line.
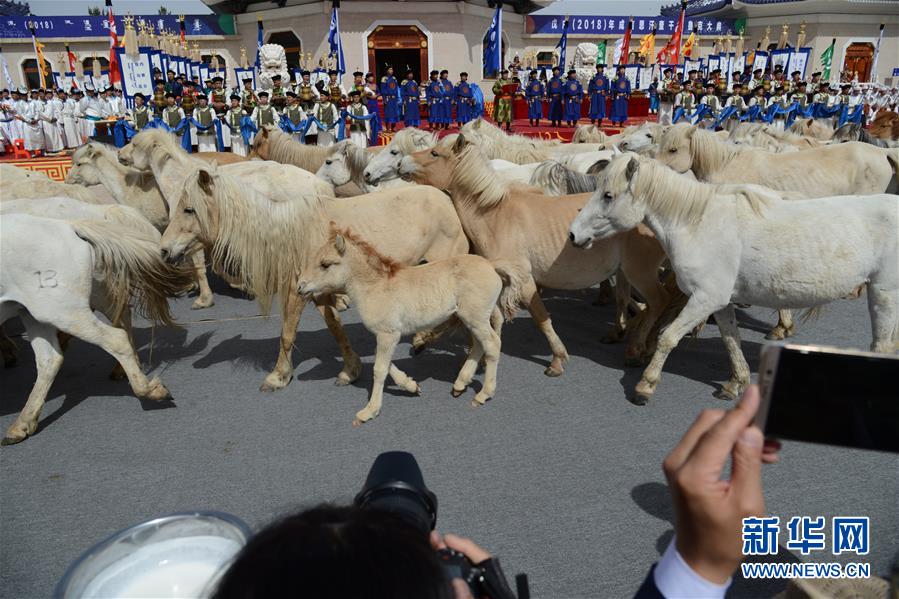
34	128
51	120
327	114
203	114
359	129
91	111
71	128
231	135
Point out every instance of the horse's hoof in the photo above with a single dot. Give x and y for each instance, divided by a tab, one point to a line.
553	371
417	390
11	441
639	399
274	384
356	423
416	349
775	335
198	305
724	394
457	392
477	404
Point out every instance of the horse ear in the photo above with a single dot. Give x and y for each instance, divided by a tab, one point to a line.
265	133
459	144
810	122
204	179
692	130
477	123
598	166
631	169
340	244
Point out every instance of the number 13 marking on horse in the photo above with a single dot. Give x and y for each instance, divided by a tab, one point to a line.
46	278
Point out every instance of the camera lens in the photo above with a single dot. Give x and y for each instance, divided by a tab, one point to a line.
395	484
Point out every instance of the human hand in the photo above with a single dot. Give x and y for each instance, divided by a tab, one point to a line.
466	547
708	510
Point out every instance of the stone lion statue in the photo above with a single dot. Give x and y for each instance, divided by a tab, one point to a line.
585	57
272	61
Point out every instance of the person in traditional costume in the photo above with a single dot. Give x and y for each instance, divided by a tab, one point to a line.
248	97
687	101
206	140
434	97
390	91
359	129
278	95
51	118
449	98
188	99
653	92
739	104
34	128
670	87
597	90
370	93
713	101
464	100
778	99
71	129
231	130
328	114
335	89
502	101
574	94
264	113
218	98
140	116
555	90
621	93
173	114
534	94
411	101
295	115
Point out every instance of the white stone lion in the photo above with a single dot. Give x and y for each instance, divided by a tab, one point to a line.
585	57
272	61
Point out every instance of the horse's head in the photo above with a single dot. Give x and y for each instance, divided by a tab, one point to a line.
611	209
85	170
638	140
260	144
329	269
335	169
674	147
138	154
433	166
195	218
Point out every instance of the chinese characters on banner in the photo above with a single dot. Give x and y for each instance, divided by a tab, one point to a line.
614	25
137	74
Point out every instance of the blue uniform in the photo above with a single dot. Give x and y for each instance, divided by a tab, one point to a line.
434	95
556	111
598	89
653	91
574	92
390	91
411	112
464	102
534	94
448	98
621	90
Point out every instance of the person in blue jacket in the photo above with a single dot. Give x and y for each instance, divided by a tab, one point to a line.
434	97
554	90
598	89
534	93
574	93
653	91
390	91
464	100
411	96
621	91
449	98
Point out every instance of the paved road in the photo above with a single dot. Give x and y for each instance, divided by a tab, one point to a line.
560	477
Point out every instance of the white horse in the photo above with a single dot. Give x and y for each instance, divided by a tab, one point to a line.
384	165
346	164
57	272
744	244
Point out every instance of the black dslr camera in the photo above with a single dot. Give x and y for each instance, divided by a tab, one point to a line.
395	484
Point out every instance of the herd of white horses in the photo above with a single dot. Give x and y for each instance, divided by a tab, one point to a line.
425	235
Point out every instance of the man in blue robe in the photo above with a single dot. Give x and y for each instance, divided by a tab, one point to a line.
534	93
574	93
464	100
434	98
390	91
598	89
411	97
621	91
449	97
555	87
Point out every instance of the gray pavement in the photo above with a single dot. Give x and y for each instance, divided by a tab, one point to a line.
560	477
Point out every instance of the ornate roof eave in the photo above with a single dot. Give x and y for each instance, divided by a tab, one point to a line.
237	7
744	8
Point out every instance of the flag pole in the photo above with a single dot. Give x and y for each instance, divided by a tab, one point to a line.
873	77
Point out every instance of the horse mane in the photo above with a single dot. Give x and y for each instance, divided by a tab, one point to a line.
410	140
589	134
165	145
710	154
514	148
476	179
555	176
384	265
356	159
285	149
680	198
265	243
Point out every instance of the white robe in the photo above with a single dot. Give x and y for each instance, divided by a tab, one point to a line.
91	110
326	138
17	127
232	137
34	128
360	138
71	129
52	122
205	141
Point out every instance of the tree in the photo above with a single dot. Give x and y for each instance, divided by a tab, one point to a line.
94	11
162	11
12	8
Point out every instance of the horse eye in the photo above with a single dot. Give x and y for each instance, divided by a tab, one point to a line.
434	154
189	211
325	265
607	196
394	152
329	162
673	150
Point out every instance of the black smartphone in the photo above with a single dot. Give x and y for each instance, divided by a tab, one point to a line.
826	395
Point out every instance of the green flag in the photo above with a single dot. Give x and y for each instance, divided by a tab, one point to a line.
826	60
601	52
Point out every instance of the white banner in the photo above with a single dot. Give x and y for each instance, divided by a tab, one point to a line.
799	61
646	76
761	61
156	61
780	58
714	62
632	72
137	73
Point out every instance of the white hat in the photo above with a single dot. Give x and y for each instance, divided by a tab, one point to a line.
23	89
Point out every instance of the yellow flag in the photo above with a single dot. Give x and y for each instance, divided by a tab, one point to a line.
647	44
687	50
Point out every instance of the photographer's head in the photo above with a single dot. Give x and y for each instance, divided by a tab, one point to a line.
339	552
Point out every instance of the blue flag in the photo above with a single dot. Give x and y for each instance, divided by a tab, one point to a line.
334	46
259	42
493	45
562	45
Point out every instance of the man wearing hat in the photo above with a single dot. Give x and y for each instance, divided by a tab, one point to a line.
218	99
736	100
597	90
800	96
15	106
51	117
248	98
204	139
449	98
172	115
115	103
140	116
264	113
358	83
411	101
328	114
359	129
335	89
758	100
815	84
434	99
91	112
390	90
172	85
70	129
534	93
158	100
502	100
278	97
713	101
621	93
574	93
306	92
295	114
188	99
555	88
669	88
34	129
685	100
464	100
757	80
370	93
231	134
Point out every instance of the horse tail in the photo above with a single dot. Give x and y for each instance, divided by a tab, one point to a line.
514	276
811	314
131	266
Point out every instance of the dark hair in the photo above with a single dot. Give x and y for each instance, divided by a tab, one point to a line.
337	552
